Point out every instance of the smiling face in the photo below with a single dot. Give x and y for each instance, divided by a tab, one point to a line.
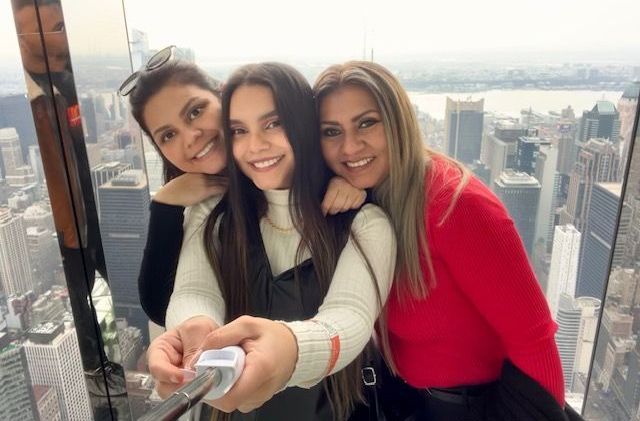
185	122
260	145
354	143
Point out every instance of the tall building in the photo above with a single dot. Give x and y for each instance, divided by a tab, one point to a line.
501	148
598	239
104	172
16	397
603	121
44	255
545	171
527	148
563	271
10	151
139	42
15	111
54	360
124	203
577	321
35	162
627	106
38	215
15	270
463	129
598	162
520	193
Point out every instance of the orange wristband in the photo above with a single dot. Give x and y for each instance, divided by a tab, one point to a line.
335	343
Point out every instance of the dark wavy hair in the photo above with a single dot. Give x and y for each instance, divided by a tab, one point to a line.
174	72
245	204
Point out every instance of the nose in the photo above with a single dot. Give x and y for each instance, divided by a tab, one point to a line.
257	142
192	134
352	143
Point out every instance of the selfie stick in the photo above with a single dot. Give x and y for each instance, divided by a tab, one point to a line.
216	372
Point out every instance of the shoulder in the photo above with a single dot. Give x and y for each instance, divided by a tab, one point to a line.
447	197
199	212
370	214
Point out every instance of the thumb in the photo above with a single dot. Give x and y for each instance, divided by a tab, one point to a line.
233	333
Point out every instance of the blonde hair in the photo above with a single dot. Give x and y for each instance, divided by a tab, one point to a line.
402	194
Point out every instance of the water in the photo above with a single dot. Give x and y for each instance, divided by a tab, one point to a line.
510	102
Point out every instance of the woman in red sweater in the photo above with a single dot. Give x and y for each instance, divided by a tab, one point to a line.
465	298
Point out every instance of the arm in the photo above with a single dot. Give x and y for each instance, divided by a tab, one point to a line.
483	252
196	291
351	306
160	259
164	239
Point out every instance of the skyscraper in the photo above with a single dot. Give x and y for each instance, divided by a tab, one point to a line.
501	148
16	397
15	111
563	271
124	203
527	148
601	122
10	151
15	270
545	171
47	400
520	194
463	129
598	237
104	172
577	320
598	162
54	360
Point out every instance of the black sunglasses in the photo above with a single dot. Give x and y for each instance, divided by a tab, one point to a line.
157	60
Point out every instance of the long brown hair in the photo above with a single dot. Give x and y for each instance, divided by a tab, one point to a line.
403	193
245	204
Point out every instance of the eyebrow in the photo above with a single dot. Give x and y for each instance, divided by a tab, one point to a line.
354	119
262	117
183	111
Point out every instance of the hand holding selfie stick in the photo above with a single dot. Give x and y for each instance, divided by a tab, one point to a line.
215	373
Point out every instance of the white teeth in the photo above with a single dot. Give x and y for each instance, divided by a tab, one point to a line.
268	163
205	150
360	163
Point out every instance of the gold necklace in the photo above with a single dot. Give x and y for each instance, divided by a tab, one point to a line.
284	230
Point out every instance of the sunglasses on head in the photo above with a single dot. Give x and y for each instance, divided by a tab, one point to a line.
155	61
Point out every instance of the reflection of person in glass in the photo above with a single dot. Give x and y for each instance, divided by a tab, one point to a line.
52	94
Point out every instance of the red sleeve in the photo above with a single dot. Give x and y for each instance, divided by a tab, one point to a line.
485	256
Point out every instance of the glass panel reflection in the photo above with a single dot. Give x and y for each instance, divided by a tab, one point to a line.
614	386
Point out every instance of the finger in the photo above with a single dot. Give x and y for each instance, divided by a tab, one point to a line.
252	386
339	204
233	333
329	197
164	363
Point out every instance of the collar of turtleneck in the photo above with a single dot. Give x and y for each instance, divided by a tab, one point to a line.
279	213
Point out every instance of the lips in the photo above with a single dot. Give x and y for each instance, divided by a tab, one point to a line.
266	164
206	149
360	163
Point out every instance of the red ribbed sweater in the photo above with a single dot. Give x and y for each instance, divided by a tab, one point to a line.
487	304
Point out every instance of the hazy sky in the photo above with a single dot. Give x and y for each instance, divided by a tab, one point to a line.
336	29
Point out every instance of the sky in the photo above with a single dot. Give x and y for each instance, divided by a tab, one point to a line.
341	29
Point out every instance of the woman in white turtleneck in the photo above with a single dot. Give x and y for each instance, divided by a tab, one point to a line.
271	218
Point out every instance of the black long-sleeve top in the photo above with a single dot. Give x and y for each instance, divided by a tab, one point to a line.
160	259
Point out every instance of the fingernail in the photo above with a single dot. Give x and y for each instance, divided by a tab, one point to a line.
175	379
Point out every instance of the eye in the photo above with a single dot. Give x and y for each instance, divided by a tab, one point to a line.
366	123
167	136
331	132
237	131
273	124
195	112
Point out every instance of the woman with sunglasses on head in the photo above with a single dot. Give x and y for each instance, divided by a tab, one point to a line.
177	105
267	250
